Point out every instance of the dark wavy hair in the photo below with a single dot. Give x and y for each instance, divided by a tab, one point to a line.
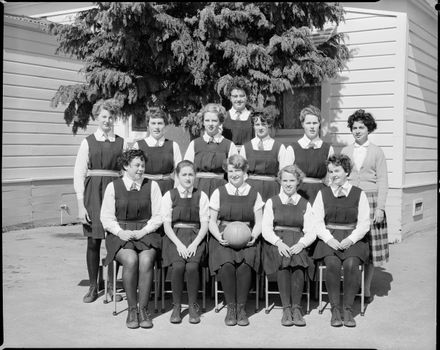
238	83
109	105
237	161
264	116
364	117
156	112
184	163
126	157
310	109
341	160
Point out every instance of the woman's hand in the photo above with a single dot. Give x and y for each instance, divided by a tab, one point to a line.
191	250
181	249
334	244
283	249
137	234
296	248
125	235
222	241
83	215
378	216
346	243
251	242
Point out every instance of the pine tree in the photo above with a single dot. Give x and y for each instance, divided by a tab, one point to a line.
182	55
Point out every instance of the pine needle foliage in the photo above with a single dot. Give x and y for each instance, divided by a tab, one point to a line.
181	55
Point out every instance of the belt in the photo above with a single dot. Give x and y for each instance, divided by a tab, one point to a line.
157	176
102	172
290	228
133	221
209	175
262	177
185	225
312	180
224	222
332	226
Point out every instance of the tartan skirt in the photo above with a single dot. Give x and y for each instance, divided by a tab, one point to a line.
378	235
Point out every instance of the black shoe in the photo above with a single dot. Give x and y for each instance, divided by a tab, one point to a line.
286	320
242	319
298	319
348	318
176	317
336	320
231	315
132	317
368	300
110	294
145	320
194	313
91	295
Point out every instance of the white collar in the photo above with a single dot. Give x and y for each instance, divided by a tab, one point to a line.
101	135
284	197
241	190
151	141
128	182
234	112
217	137
365	144
346	187
305	141
182	190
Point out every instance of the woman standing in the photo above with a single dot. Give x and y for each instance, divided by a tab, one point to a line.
342	220
210	150
235	201
370	174
130	214
310	153
265	156
288	228
95	167
237	126
161	154
185	216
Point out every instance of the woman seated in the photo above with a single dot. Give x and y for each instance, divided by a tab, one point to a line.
130	214
342	221
288	228
185	215
235	201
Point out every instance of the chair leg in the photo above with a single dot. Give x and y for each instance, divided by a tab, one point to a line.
105	278
266	293
320	290
216	294
114	287
203	289
362	289
308	296
162	282
155	287
257	289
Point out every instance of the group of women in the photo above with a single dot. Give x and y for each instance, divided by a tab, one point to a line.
303	204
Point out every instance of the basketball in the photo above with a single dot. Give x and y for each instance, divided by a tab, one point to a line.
237	234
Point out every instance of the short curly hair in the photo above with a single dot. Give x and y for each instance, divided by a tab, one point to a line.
294	170
216	108
238	83
184	163
310	109
109	105
340	160
157	112
126	157
364	117
237	161
264	116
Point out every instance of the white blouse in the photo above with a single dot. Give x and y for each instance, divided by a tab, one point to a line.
243	190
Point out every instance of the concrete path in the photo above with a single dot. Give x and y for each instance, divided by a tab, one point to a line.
45	278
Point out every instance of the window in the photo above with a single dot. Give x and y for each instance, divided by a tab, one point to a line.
294	102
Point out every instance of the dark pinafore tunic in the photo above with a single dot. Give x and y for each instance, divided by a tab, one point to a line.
132	211
341	210
209	157
185	210
291	216
159	161
238	131
312	162
234	208
263	163
102	156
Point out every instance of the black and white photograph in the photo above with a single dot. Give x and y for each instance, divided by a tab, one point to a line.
220	174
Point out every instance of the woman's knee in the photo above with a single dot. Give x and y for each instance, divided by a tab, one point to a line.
93	243
192	267
128	258
147	259
332	263
351	264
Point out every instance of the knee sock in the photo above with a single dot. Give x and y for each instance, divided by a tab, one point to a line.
92	258
228	280
244	279
283	280
333	279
